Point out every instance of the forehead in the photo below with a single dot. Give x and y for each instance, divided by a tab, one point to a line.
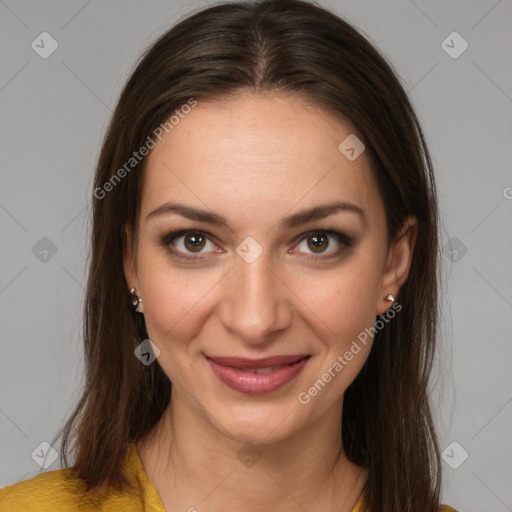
248	153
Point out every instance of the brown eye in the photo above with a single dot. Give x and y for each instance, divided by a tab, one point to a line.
189	244
194	242
318	243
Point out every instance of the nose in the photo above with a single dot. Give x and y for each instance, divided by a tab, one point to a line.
256	302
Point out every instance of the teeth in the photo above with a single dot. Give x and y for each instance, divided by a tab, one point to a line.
267	369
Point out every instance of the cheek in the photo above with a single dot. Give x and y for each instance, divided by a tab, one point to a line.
344	301
175	300
344	307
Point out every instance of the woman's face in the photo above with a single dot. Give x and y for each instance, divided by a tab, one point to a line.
271	287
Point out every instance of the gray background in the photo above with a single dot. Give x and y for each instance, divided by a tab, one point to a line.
53	116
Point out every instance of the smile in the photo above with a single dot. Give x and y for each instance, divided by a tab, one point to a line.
257	376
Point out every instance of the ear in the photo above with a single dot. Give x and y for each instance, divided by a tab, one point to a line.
398	263
129	259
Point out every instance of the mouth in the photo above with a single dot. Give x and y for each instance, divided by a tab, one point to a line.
257	376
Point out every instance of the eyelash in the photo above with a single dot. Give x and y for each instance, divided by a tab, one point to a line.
343	239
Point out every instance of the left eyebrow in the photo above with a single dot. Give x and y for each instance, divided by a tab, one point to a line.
291	221
320	212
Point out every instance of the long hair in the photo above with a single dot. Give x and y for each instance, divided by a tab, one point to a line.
289	46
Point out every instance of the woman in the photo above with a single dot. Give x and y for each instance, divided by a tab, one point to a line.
265	199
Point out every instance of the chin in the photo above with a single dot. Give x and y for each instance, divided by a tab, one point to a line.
257	423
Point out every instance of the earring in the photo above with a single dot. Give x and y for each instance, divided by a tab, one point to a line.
135	300
390	298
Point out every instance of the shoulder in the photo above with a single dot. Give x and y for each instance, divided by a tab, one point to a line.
446	508
54	490
60	491
63	491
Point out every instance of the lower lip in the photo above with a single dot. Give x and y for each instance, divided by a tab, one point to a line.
257	383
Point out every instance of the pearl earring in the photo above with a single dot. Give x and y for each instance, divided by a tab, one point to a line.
135	300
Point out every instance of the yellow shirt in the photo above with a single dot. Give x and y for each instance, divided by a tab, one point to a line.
55	491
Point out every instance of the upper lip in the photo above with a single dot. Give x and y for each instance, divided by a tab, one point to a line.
242	362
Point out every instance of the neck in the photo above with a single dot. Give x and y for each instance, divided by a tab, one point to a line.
193	464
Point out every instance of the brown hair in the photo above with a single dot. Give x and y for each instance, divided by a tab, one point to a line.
268	46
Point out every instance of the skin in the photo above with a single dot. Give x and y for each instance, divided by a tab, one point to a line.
255	159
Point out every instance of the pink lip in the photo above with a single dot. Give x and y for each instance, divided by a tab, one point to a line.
235	372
